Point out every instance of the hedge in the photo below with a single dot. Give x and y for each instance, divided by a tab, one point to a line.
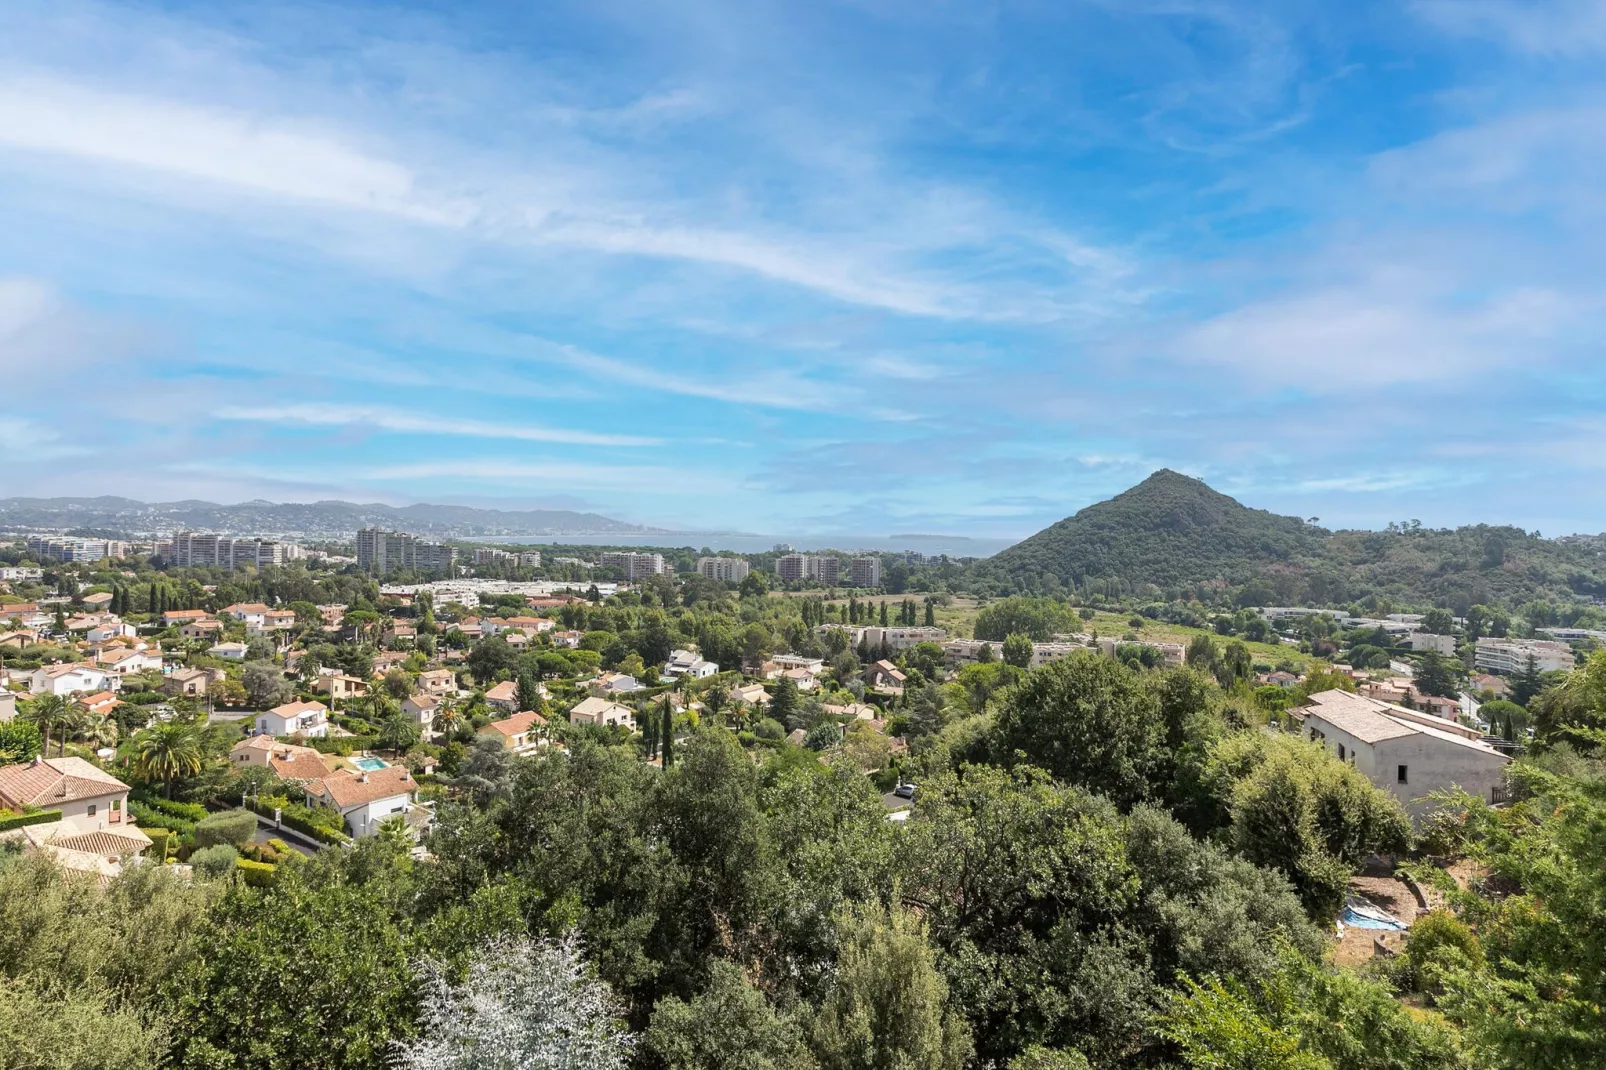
38	817
190	812
159	838
298	817
341	745
231	827
256	874
145	814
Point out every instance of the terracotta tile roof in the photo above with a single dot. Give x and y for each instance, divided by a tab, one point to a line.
103	842
297	763
347	789
503	692
519	722
296	709
53	781
246	607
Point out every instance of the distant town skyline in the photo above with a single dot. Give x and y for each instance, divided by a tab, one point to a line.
801	269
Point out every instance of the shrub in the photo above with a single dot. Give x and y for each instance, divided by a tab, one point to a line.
256	874
38	817
232	827
191	812
161	839
1439	940
325	826
145	814
769	728
215	862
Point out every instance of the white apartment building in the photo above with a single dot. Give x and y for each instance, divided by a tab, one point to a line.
15	572
865	572
961	652
193	549
634	565
50	548
899	639
1406	753
1565	635
1508	656
380	551
1439	644
828	570
791	567
1277	613
724	569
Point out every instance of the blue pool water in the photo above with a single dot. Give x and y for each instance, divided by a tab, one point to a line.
368	765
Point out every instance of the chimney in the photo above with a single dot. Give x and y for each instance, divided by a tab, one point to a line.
362	778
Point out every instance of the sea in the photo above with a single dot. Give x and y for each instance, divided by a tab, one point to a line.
748	543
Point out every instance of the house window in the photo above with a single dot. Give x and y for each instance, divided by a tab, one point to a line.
91	811
1401	775
1341	752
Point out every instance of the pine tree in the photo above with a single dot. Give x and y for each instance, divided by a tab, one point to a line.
1527	684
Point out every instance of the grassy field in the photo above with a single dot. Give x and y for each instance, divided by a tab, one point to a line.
959	619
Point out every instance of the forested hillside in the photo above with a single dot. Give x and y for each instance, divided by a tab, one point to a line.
1172	536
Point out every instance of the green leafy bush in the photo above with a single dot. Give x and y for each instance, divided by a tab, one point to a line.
145	814
232	827
257	874
325	826
215	862
191	812
161	840
38	817
1438	941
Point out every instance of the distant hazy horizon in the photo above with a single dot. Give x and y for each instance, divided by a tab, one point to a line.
736	542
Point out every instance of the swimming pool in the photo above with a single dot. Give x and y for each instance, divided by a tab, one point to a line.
368	765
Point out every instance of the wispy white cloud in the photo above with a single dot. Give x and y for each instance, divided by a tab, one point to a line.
1545	28
1327	341
639	479
384	419
259	153
771	389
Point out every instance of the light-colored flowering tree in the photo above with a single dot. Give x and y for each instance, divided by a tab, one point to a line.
523	1005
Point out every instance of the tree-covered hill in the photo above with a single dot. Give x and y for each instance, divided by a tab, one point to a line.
1177	535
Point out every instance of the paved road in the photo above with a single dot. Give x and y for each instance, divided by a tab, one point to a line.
896	802
266	831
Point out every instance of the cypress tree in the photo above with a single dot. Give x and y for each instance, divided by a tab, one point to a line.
669	733
883	614
931	615
151	601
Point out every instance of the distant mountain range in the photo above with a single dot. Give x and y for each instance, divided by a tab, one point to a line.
328	519
1172	532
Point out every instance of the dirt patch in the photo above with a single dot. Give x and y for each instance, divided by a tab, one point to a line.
1390	893
1356	947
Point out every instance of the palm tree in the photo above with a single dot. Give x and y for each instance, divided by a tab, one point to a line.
94	729
396	834
170	750
713	702
398	732
51	714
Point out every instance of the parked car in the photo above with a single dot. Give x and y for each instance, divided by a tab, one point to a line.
904	791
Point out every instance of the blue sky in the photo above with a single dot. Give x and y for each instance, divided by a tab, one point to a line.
810	268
